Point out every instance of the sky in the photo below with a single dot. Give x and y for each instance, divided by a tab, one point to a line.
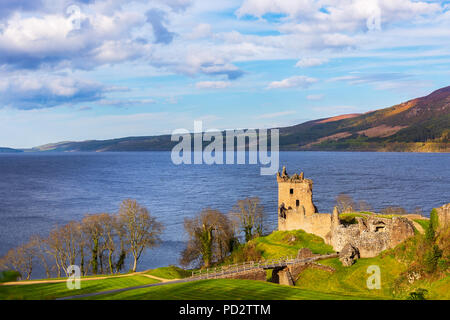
100	69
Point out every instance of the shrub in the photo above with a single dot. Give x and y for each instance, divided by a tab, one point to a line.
9	276
419	294
431	258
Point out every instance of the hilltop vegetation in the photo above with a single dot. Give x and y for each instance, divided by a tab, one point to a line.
279	244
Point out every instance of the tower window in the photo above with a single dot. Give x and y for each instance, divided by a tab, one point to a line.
297	202
291	191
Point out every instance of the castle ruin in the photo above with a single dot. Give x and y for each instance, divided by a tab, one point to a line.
370	235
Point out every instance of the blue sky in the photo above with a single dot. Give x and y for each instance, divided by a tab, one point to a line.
78	70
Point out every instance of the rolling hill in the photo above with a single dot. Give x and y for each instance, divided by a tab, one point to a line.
418	125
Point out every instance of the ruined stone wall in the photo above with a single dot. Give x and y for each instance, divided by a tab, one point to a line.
259	274
318	223
372	235
444	216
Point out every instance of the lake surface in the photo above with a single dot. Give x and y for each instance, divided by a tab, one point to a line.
40	190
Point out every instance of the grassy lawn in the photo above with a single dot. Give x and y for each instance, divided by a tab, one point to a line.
58	290
170	272
280	244
226	289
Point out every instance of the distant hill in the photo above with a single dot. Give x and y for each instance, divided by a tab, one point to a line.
9	150
418	125
421	124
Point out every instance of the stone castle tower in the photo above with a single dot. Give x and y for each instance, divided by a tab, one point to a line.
295	193
296	209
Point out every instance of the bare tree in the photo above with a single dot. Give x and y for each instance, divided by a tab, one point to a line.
345	203
70	240
142	231
210	237
393	210
54	248
40	250
113	241
364	206
250	217
93	230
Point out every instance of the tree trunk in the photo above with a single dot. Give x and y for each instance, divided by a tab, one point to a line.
135	264
110	262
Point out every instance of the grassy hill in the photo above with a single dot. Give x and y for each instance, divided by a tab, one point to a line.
418	125
421	124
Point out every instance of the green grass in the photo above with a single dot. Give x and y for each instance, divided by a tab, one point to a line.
170	272
350	218
57	290
226	289
423	223
287	243
352	279
437	290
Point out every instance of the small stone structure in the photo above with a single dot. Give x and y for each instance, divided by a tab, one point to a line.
368	237
348	255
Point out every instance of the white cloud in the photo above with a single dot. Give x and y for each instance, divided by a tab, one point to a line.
126	102
29	92
202	30
293	82
212	85
314	97
310	62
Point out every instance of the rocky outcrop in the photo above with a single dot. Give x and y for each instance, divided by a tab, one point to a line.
371	234
348	255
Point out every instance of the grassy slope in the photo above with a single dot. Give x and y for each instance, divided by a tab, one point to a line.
170	272
352	279
226	289
287	243
58	290
393	263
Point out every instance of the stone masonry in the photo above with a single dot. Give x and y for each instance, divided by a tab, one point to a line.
369	236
